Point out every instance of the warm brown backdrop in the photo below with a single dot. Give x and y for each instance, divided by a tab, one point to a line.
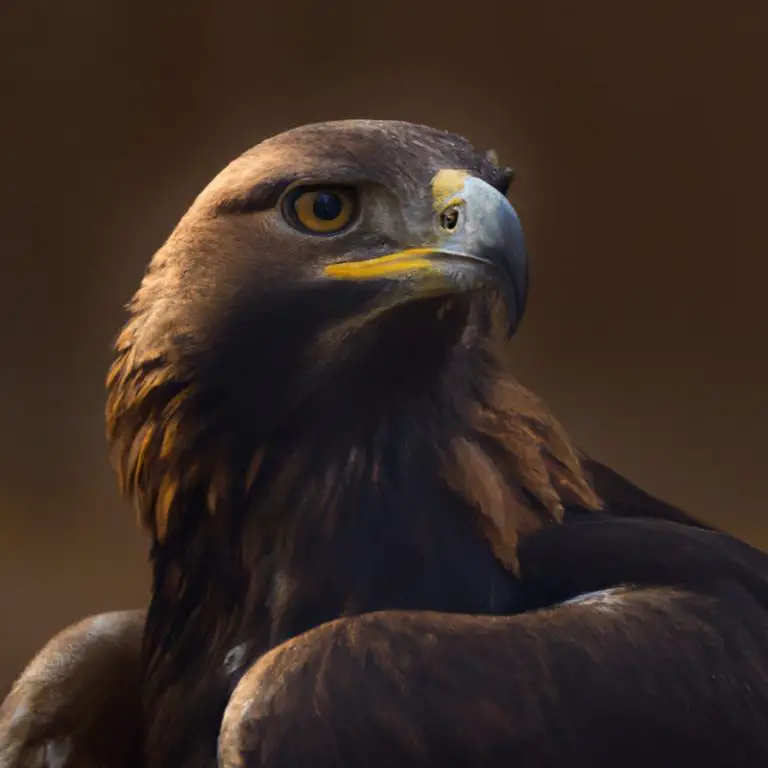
639	139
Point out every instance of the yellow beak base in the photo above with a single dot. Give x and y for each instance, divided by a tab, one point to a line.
391	265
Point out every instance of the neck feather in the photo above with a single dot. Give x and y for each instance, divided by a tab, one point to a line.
263	533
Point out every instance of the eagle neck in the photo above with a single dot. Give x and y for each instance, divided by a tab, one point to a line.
342	510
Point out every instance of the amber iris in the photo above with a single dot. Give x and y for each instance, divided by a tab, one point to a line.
322	211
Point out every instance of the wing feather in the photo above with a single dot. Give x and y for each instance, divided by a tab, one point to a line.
77	702
668	670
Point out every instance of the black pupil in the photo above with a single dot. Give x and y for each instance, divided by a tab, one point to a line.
327	206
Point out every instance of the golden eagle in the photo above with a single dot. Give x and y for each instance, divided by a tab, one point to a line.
371	546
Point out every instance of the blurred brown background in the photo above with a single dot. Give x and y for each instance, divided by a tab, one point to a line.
639	141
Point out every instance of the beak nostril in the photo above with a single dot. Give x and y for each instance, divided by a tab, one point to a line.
449	218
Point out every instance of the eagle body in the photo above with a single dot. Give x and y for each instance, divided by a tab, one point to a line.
370	544
303	449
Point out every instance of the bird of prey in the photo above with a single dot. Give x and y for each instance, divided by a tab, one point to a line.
370	544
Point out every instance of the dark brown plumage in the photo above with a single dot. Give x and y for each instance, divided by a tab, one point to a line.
667	671
315	424
77	703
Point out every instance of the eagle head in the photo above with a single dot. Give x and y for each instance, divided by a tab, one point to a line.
347	280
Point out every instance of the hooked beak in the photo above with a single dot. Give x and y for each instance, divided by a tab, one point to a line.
478	243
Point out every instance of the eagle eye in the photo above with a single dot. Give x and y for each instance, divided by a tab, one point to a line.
321	210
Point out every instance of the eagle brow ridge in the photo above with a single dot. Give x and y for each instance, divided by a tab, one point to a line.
260	197
265	193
